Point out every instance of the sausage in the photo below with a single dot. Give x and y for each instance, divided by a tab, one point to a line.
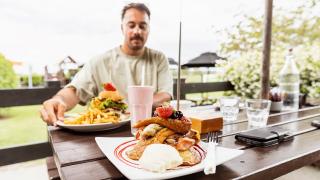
179	126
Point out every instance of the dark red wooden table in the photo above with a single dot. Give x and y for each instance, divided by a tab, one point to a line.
77	155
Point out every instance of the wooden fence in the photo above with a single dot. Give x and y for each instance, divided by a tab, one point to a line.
33	96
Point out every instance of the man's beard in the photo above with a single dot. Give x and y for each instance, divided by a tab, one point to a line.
136	47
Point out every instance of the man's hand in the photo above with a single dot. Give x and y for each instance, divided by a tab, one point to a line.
160	98
53	110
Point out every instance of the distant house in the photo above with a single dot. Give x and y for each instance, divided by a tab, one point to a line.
64	70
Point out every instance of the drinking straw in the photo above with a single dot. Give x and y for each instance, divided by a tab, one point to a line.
143	74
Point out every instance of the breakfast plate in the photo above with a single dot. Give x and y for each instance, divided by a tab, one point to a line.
115	149
93	127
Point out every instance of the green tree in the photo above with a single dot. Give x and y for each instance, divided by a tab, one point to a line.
298	28
8	78
293	28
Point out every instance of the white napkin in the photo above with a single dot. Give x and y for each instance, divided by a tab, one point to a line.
210	160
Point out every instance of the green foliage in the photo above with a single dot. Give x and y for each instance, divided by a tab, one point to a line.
308	60
37	80
297	28
244	74
8	78
289	29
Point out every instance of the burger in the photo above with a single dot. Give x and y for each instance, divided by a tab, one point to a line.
109	99
170	127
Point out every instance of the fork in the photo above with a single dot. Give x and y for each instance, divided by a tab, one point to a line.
210	160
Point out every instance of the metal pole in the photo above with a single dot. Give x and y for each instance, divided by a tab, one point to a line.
266	49
179	70
30	83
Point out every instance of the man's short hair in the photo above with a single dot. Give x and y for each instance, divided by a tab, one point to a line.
139	6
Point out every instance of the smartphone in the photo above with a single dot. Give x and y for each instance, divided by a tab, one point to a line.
264	137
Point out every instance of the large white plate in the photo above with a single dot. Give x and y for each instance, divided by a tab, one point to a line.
114	148
93	127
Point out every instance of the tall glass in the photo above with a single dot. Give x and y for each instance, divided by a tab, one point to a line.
140	103
257	112
229	107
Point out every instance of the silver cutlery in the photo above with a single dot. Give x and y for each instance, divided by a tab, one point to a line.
210	160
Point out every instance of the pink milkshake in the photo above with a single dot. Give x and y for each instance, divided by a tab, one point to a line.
140	103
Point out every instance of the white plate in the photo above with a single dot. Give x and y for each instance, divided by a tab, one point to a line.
93	127
114	148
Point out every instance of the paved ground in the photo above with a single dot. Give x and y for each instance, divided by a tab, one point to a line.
32	170
307	173
36	170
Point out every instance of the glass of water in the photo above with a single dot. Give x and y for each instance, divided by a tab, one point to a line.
257	112
229	107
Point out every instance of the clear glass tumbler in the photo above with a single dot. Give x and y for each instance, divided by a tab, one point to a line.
229	107
257	112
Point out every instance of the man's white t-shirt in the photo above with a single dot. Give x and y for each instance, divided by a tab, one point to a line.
123	70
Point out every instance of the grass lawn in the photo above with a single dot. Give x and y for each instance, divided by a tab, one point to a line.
22	125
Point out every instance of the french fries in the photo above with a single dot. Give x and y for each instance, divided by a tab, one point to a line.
95	116
106	108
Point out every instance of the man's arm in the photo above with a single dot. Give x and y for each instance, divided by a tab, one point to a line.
69	97
54	108
160	98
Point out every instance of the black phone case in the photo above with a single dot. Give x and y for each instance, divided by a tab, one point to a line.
316	123
264	137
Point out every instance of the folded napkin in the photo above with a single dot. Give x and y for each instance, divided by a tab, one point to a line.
210	160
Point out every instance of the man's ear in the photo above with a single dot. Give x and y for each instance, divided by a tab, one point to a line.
121	28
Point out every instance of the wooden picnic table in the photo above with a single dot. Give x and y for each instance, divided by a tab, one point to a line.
77	155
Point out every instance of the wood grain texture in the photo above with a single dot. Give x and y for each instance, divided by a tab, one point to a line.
53	173
101	169
255	163
32	96
74	147
24	153
79	157
26	96
265	68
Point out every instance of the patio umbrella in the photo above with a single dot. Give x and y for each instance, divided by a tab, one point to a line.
207	59
172	62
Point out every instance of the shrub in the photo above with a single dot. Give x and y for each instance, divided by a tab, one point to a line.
308	60
8	78
37	80
244	73
296	28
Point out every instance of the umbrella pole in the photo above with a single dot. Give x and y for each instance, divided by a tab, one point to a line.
179	69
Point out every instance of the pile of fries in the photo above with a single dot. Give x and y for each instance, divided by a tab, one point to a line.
95	116
106	108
